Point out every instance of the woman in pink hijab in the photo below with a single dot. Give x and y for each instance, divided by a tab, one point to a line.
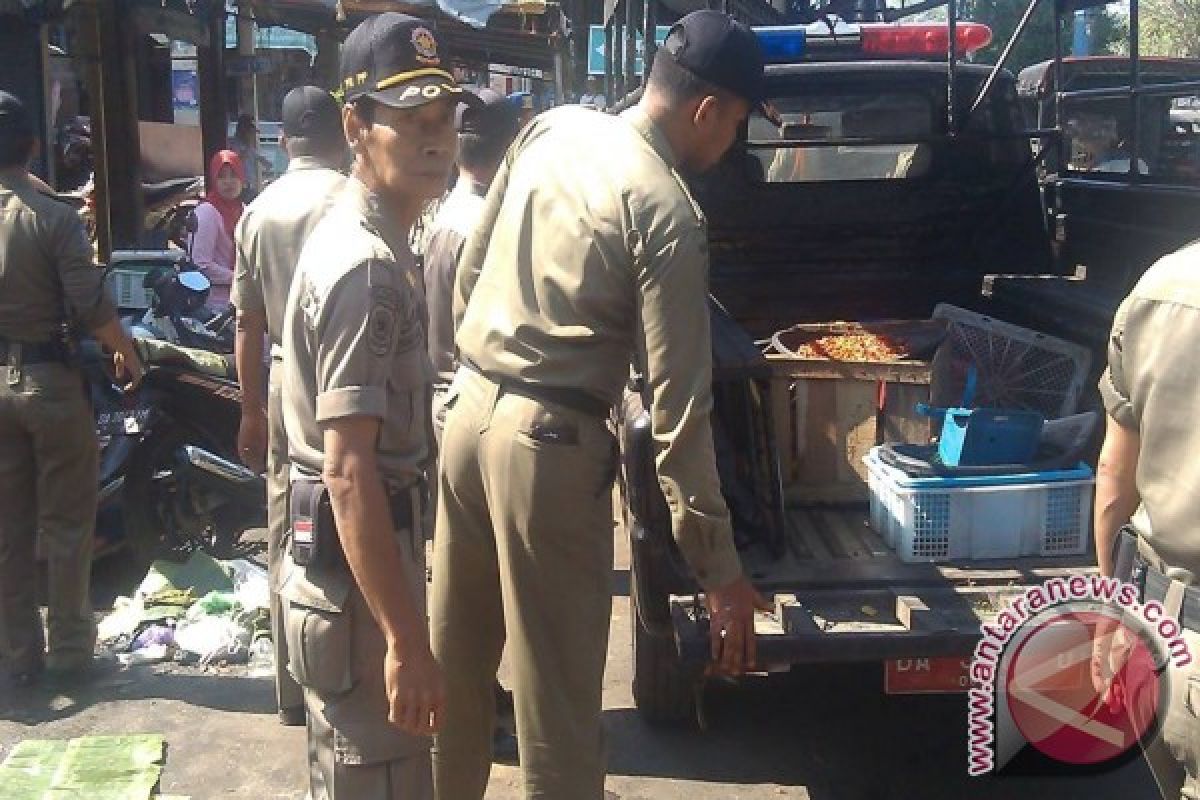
212	243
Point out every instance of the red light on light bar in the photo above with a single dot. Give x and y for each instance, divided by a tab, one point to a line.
923	40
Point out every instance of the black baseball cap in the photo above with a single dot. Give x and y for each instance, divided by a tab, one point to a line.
396	59
311	113
720	50
15	119
494	115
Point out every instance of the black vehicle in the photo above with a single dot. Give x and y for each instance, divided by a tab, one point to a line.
894	180
168	455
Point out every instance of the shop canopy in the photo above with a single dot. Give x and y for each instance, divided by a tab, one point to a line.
478	32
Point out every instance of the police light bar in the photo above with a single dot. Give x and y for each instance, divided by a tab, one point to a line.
782	44
788	44
922	40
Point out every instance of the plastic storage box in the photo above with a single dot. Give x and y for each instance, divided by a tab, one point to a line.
951	519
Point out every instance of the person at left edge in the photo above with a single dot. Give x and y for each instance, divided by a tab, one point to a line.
268	239
356	403
48	284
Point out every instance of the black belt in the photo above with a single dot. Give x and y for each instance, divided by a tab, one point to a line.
1154	589
574	399
34	352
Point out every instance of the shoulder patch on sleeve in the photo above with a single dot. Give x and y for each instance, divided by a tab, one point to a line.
393	323
382	319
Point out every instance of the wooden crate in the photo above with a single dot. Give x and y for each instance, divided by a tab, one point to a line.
828	415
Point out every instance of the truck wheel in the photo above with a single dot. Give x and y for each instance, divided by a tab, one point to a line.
662	690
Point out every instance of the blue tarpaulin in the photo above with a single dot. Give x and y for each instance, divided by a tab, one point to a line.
472	12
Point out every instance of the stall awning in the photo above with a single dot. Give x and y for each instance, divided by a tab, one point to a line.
474	13
503	40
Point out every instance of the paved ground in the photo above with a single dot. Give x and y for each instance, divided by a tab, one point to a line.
826	734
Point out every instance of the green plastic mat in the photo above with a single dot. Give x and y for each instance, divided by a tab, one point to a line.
91	767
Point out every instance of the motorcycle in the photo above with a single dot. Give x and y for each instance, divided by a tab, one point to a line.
178	293
168	455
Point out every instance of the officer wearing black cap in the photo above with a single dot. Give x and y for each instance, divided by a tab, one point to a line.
589	252
268	239
356	405
49	285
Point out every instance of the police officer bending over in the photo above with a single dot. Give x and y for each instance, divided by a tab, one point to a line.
356	403
48	284
589	252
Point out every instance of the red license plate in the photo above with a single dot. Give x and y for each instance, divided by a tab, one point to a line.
926	675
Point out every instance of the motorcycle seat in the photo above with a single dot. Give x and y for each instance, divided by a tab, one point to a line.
158	353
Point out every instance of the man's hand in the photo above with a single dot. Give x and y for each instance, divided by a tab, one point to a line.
731	625
415	690
128	367
1111	648
252	438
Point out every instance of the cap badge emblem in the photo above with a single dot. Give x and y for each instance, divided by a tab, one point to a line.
425	46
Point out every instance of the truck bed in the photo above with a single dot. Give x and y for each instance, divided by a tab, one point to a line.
840	594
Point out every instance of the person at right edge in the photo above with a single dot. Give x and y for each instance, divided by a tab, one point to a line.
356	406
590	252
49	285
1148	497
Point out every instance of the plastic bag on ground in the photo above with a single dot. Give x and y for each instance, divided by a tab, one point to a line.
250	584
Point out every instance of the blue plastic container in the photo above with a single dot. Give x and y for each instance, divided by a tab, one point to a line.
980	437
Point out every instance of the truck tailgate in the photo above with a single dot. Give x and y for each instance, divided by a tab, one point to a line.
841	595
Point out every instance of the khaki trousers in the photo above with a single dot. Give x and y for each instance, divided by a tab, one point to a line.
288	694
48	474
336	652
523	547
1174	756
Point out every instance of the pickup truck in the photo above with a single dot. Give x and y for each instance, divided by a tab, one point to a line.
867	198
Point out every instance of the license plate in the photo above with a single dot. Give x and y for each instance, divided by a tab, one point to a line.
926	675
123	423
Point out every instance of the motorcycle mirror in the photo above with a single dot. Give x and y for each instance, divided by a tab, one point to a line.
189	227
194	281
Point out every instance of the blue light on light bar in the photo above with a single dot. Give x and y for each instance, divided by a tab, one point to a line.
781	44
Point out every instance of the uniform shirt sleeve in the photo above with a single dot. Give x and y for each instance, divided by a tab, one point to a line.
90	303
1114	384
363	322
247	292
674	343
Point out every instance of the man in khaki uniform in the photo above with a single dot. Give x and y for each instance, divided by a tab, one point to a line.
590	252
47	435
1149	477
484	134
268	239
356	394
